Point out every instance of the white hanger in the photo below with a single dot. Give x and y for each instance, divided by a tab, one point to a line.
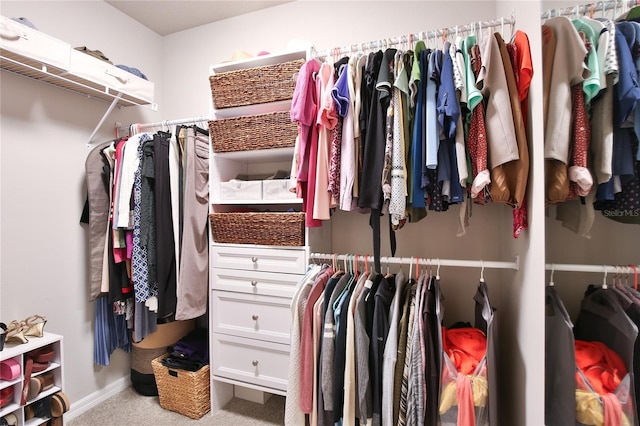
551	283
481	271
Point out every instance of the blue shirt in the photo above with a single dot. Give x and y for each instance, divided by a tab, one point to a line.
448	108
627	91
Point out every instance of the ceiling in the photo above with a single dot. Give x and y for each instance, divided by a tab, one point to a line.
166	17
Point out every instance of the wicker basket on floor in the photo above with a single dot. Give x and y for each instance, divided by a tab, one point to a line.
251	132
182	391
264	228
258	85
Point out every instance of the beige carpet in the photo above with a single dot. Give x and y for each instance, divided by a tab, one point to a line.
130	408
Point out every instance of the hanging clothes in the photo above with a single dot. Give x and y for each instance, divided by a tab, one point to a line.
194	261
143	192
560	398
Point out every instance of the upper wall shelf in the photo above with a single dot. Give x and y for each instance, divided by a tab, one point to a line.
33	54
258	61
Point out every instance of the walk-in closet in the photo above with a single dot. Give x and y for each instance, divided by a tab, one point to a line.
479	210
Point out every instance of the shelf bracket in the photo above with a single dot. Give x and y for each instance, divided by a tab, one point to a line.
104	117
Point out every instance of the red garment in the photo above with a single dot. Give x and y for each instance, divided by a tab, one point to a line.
464	393
580	143
612	410
601	366
465	347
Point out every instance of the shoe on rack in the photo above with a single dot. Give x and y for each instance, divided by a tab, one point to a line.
42	407
59	404
9	369
42	355
39	384
10	419
6	396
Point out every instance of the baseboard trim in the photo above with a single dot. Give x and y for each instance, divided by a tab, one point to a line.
88	402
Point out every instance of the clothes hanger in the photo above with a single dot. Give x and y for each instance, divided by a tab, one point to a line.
438	271
551	283
482	271
635	276
411	267
604	280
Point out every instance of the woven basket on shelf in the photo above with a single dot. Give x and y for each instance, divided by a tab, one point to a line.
251	132
182	391
263	228
269	83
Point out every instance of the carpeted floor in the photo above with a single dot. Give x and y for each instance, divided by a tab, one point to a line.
132	409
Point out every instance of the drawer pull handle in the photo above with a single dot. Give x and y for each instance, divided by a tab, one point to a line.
117	77
254	317
254	363
254	283
254	259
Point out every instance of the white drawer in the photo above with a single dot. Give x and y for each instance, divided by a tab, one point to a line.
291	261
18	39
86	67
248	315
259	363
253	282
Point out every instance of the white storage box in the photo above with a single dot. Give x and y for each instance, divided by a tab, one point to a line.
241	190
276	189
27	45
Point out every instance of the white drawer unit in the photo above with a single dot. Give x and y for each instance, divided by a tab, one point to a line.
252	285
264	259
254	282
264	364
256	317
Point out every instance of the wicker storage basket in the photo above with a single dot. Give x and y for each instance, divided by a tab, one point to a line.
276	229
251	132
185	392
257	85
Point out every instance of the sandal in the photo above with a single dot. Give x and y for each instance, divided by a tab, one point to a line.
35	325
15	332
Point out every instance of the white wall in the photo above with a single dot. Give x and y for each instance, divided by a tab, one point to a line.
43	133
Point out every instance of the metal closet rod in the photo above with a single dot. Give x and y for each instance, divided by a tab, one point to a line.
191	120
422	35
421	261
145	126
599	6
568	267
